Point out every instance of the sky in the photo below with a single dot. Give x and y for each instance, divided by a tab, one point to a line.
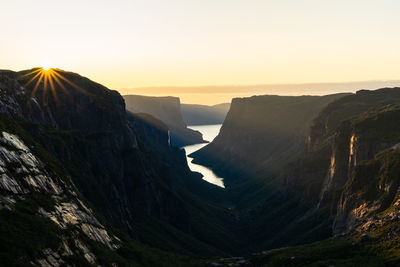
184	43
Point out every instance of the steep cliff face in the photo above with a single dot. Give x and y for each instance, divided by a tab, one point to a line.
363	186
322	171
168	110
348	167
25	180
261	132
371	182
122	164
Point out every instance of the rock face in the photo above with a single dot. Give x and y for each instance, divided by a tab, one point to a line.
342	136
203	115
351	164
370	184
22	175
326	163
168	110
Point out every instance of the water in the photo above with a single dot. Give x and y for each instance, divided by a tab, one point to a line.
209	133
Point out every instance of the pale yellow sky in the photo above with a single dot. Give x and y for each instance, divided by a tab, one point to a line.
145	43
211	95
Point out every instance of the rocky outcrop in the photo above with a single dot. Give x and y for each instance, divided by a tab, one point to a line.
22	174
17	160
168	110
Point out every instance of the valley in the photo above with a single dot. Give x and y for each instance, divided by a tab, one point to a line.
284	181
154	133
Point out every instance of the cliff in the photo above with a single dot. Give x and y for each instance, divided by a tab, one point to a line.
122	164
361	187
203	115
312	167
371	183
323	170
168	110
262	132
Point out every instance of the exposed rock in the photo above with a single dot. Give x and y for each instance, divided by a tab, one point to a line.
28	168
69	213
31	176
89	256
51	258
367	186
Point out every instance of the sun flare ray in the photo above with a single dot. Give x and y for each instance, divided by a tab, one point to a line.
46	75
32	79
50	79
68	81
53	89
36	85
30	73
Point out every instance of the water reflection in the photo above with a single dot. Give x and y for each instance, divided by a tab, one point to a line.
209	133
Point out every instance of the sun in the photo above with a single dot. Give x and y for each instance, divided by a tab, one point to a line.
46	67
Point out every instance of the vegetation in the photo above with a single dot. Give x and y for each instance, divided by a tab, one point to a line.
330	252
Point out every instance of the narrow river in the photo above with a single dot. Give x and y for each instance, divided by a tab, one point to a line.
209	133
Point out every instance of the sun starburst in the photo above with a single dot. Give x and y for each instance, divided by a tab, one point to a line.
46	67
48	78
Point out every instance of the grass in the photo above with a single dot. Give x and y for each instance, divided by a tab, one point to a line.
329	252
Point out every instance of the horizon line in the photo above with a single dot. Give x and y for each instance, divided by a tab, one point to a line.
260	84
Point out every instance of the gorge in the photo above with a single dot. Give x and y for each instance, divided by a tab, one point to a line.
85	181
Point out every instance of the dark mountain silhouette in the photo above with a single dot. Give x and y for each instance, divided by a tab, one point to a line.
202	115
